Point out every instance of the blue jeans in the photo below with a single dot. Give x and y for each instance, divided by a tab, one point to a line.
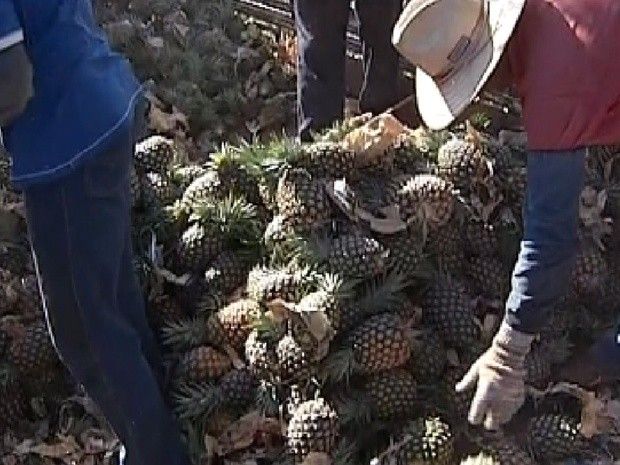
321	29
80	232
551	217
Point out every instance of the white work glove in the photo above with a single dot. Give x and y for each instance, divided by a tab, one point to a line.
499	379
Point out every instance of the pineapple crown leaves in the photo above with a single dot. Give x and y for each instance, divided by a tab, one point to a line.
383	294
233	217
184	334
340	365
196	401
354	409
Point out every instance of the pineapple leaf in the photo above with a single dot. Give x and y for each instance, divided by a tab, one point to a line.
196	402
340	365
184	334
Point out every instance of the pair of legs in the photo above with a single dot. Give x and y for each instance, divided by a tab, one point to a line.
321	35
543	269
80	232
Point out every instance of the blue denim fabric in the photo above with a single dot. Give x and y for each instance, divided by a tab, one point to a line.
549	246
80	232
321	29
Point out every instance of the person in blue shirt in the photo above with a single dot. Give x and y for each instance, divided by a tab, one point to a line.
68	107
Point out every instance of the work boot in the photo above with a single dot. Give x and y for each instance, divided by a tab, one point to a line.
600	364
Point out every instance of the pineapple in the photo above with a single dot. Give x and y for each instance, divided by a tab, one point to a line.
393	394
457	403
314	427
205	187
554	437
424	197
160	187
429	357
163	309
380	343
293	361
489	277
448	308
406	255
425	441
32	353
446	244
235	391
326	160
357	256
226	273
332	295
231	222
544	355
481	238
589	273
13	402
302	202
500	452
203	363
266	284
230	325
182	176
261	355
462	162
154	154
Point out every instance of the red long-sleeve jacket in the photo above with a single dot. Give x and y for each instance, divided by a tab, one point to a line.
564	61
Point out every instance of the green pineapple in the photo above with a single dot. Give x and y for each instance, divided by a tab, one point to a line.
302	201
313	427
489	277
462	162
326	160
330	298
446	244
380	343
425	198
202	364
266	284
216	226
500	452
154	154
448	308
393	394
234	391
357	256
429	356
554	437
425	441
226	273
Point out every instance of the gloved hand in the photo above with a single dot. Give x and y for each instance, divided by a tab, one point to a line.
15	82
499	379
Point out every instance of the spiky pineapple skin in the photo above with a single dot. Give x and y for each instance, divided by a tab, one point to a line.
163	309
12	400
293	361
461	161
327	160
203	364
481	238
154	154
239	388
425	441
503	452
196	247
33	354
302	201
380	343
555	437
393	394
225	273
429	357
589	272
355	255
489	277
446	244
447	307
313	427
423	197
261	356
265	284
235	322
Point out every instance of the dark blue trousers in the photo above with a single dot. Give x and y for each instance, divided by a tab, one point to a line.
80	233
321	29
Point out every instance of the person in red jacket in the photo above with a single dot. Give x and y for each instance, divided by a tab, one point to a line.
562	58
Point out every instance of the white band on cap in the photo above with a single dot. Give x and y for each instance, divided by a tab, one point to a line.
11	39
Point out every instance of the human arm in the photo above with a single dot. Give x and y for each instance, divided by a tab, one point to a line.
15	67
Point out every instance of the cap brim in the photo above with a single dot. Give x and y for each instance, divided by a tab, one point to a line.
441	102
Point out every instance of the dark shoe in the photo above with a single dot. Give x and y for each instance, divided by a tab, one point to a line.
600	364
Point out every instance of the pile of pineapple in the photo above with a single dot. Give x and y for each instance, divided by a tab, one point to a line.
222	71
339	298
273	292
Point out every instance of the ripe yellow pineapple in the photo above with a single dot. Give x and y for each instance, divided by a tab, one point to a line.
313	427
